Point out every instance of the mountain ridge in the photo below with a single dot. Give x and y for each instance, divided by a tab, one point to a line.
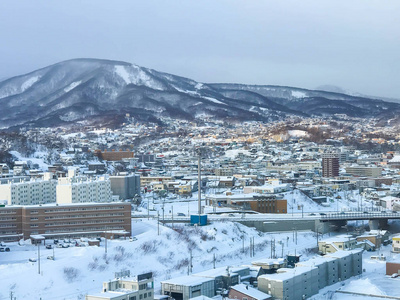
80	89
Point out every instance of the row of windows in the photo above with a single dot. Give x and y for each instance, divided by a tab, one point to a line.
7	212
85	229
82	223
7	225
8	219
83	216
83	209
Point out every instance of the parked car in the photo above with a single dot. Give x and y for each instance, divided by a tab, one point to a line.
311	214
49	247
65	245
55	241
50	257
32	259
181	215
7	249
2	249
322	214
132	238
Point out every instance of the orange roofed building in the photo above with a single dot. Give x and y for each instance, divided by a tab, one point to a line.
113	155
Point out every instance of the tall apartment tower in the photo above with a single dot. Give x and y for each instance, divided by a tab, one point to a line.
330	164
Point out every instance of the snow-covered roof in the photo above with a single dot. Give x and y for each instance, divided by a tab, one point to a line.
269	261
286	273
250	291
188	280
338	239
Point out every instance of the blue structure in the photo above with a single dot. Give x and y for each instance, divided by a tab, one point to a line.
194	219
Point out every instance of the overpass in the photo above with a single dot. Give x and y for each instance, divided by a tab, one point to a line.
322	222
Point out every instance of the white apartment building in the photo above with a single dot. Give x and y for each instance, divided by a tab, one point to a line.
33	192
82	189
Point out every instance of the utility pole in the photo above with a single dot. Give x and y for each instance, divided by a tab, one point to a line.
158	223
253	248
271	250
38	258
163	214
148	209
199	183
105	242
191	262
172	216
214	260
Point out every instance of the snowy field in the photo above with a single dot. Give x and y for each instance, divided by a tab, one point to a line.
77	271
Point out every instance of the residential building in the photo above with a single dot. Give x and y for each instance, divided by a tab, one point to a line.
396	243
65	220
24	192
81	189
330	164
125	186
223	172
147	180
364	171
140	287
244	292
337	243
308	277
113	155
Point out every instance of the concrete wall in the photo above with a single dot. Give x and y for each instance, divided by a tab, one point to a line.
280	225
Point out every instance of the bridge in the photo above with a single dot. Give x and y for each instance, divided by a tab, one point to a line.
322	222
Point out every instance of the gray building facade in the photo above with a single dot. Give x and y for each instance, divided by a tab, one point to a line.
125	186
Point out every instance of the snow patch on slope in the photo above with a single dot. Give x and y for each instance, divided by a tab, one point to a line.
214	100
298	94
123	73
72	86
28	83
298	133
137	76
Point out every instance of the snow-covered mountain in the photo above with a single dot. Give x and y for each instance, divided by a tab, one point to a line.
84	89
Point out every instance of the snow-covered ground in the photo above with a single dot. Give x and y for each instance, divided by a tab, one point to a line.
77	271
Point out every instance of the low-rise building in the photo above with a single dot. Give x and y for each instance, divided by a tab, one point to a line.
244	292
337	243
396	243
308	277
140	287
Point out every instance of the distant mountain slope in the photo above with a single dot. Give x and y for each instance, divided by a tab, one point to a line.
83	89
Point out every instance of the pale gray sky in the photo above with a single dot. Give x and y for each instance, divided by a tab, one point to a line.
352	44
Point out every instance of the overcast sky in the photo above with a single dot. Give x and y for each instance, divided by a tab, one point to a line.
351	44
